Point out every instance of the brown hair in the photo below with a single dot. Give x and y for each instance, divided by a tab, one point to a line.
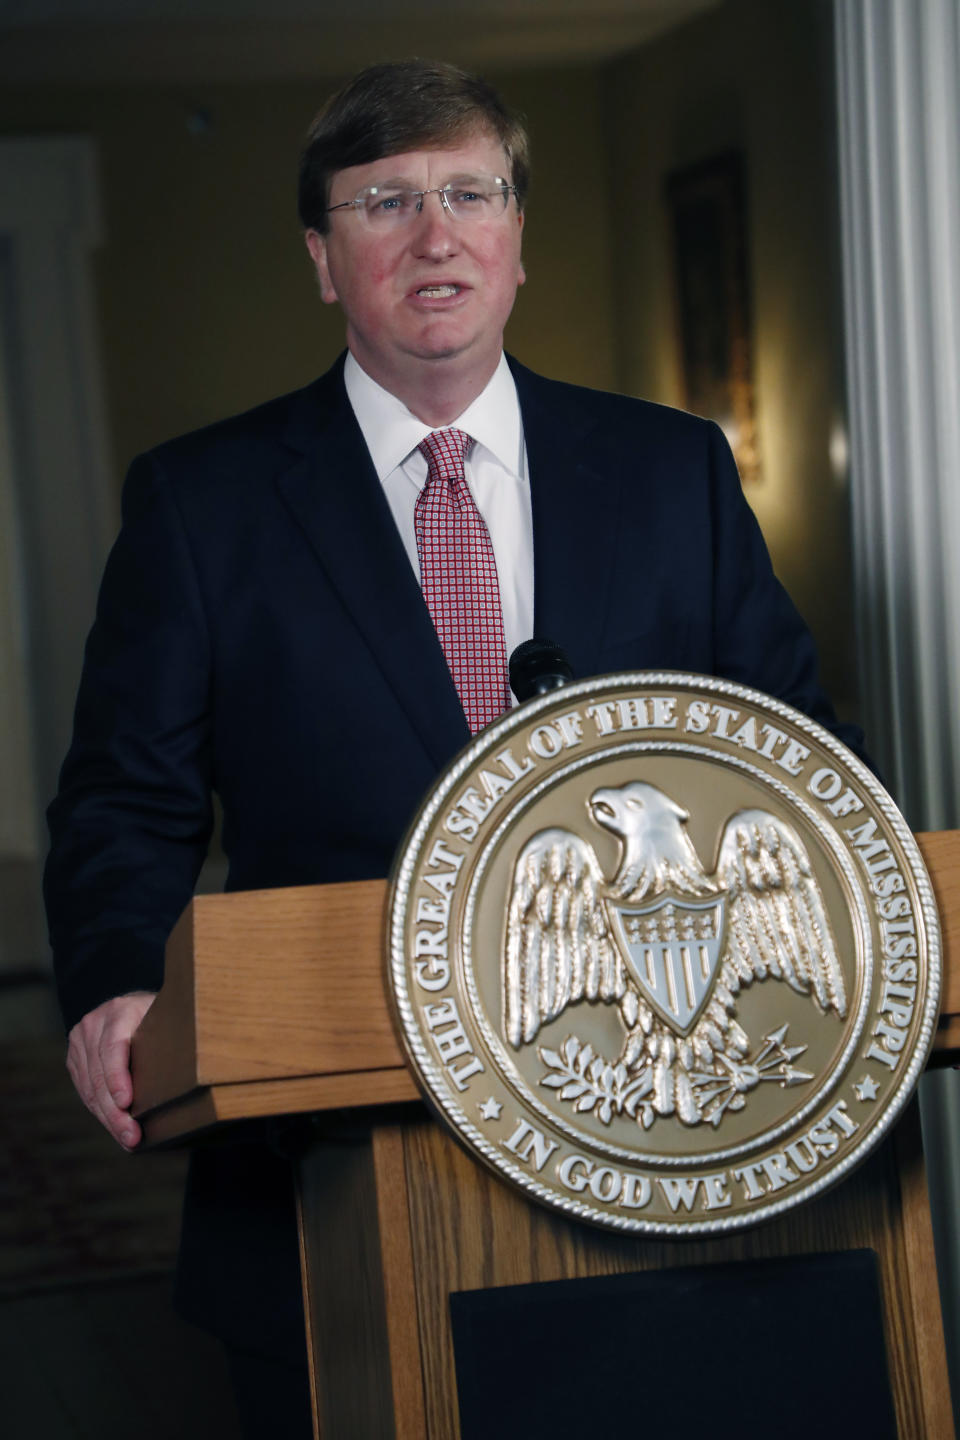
404	105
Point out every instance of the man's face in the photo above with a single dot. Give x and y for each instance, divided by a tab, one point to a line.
387	284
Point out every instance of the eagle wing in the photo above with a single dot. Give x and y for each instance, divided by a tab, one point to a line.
777	920
559	948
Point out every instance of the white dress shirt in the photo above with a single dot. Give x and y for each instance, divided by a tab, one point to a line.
496	472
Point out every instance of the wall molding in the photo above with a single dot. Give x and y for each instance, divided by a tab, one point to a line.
50	220
899	138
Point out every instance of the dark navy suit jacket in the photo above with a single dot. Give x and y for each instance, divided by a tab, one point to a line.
261	633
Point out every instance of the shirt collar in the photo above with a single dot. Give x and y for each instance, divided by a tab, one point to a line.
392	432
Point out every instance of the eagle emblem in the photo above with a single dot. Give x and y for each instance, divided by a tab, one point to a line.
673	947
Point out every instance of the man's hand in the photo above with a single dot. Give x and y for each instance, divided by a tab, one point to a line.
98	1059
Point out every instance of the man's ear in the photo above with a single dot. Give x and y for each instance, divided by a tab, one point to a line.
521	273
317	245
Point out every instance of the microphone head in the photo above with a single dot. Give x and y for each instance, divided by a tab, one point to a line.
537	666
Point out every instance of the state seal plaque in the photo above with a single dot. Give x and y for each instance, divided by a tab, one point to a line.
663	953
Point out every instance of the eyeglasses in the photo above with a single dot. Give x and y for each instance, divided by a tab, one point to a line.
476	198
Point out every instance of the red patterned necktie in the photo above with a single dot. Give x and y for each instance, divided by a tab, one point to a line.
458	575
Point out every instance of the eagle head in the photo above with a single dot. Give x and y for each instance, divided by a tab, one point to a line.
657	854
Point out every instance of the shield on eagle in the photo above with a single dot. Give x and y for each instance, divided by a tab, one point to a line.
672	948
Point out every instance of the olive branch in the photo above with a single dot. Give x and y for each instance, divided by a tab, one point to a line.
580	1075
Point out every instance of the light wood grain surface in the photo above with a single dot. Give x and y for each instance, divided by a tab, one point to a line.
266	986
344	1277
924	1319
400	1288
443	1223
941	853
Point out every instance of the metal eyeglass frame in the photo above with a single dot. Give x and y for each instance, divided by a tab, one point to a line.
358	201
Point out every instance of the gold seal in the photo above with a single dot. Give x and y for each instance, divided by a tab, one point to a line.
663	953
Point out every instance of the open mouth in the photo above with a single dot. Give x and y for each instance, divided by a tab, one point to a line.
438	292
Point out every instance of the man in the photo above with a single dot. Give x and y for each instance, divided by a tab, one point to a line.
274	620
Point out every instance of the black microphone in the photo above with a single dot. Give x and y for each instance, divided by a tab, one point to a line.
536	667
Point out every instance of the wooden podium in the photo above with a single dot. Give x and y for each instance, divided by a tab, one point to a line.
261	1016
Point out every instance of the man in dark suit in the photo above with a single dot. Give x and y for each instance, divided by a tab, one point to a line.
262	631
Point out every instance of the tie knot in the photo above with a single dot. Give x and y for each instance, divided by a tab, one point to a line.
445	451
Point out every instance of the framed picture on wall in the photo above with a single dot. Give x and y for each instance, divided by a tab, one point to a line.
707	205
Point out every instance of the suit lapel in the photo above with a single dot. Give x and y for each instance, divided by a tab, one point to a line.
576	501
336	498
334	495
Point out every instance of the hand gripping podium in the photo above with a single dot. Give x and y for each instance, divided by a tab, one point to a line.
274	1005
